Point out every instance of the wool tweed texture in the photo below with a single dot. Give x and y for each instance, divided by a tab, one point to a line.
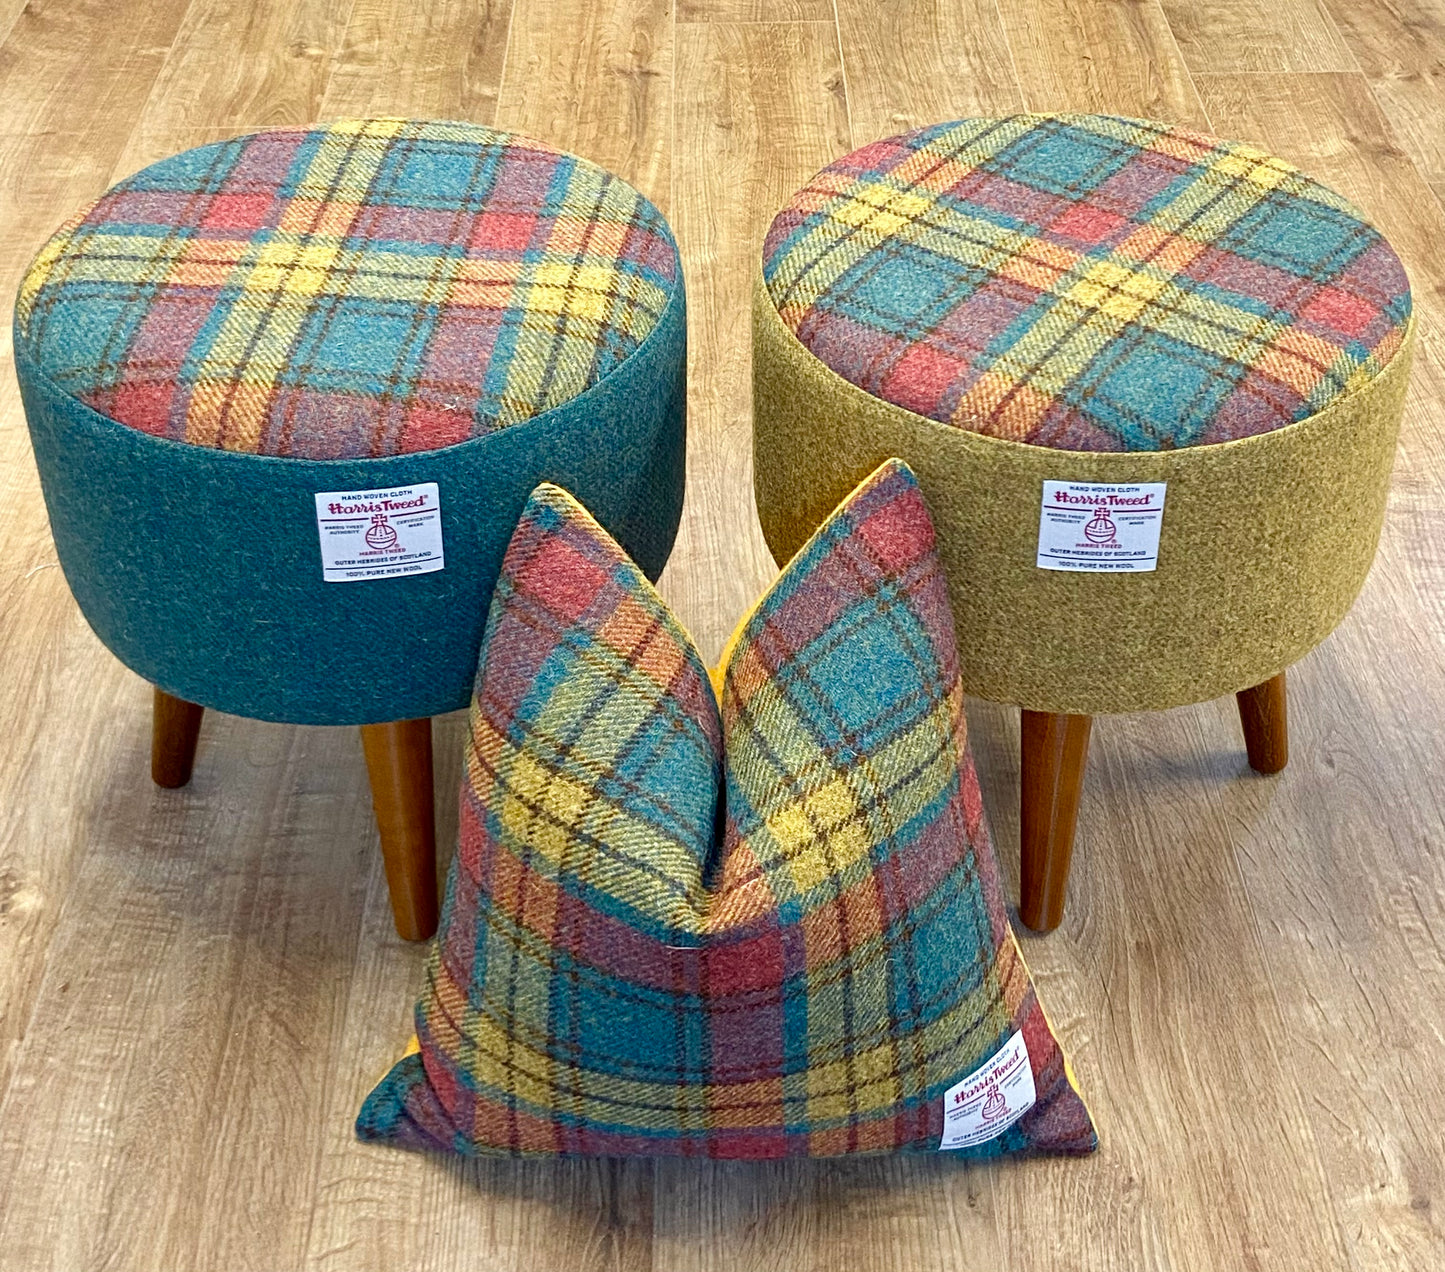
752	922
1086	283
758	921
368	288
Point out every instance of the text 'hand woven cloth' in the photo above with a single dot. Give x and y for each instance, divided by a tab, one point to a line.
752	921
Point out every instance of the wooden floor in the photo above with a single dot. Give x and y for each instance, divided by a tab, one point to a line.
198	987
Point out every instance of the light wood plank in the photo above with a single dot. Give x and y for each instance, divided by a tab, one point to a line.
239	67
72	78
1400	46
438	60
10	12
597	80
189	997
74	74
1222	36
759	109
1351	890
755	10
931	1214
1118	57
919	62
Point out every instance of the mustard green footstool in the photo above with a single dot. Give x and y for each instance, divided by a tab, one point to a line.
289	394
1150	383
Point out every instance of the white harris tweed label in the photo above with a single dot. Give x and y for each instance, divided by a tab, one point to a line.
1100	528
991	1099
379	534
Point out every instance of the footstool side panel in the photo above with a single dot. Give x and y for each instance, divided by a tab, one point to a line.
1266	541
200	568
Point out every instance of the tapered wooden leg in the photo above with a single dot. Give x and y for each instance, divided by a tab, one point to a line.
398	758
1054	750
175	728
1263	713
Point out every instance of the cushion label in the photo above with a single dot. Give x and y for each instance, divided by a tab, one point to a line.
991	1099
1100	528
379	534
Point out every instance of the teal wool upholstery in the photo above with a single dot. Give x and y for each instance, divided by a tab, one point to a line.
369	305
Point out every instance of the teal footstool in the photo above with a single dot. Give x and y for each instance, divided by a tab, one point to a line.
289	393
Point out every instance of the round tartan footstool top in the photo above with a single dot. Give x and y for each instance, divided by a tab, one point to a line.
362	289
1086	283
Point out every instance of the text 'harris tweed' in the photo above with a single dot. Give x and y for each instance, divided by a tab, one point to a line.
1085	282
759	924
371	287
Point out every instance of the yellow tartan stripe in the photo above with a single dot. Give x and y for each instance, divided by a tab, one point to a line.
310	265
978	244
511	1060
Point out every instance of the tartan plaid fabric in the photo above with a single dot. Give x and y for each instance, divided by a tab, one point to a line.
371	287
770	929
1085	282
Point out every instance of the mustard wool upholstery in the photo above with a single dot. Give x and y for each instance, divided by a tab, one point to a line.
1082	298
753	918
369	305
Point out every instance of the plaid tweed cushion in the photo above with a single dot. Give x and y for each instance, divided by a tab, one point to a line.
1085	282
762	924
367	288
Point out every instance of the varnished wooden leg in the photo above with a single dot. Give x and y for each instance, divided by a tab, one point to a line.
1054	750
398	758
1263	713
175	728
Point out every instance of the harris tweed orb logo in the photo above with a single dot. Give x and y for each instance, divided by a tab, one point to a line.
1101	532
379	534
380	537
